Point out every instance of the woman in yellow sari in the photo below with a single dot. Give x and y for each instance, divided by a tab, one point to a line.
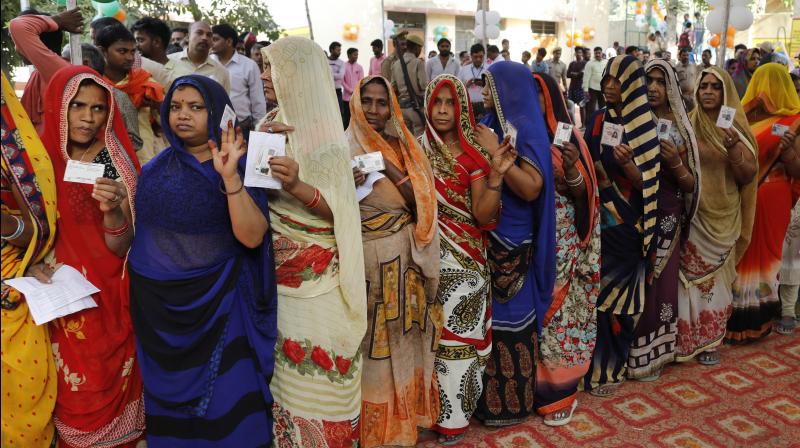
319	259
29	224
773	110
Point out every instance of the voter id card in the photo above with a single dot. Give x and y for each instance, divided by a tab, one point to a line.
779	129
227	115
511	131
83	172
612	134
664	129
726	115
370	162
563	134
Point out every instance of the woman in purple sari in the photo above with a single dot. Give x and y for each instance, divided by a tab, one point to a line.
202	289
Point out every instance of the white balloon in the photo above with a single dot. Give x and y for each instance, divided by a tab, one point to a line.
492	17
741	18
492	32
714	22
388	24
478	31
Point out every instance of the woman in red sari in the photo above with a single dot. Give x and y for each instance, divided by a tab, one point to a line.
99	400
770	101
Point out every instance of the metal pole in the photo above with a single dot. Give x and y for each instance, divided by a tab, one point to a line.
572	35
383	28
723	42
74	40
485	9
24	4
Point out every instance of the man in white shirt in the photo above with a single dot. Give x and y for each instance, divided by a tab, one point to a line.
195	59
337	71
444	63
152	39
472	77
247	89
592	76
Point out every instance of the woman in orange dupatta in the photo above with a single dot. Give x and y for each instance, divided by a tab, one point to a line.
401	255
773	108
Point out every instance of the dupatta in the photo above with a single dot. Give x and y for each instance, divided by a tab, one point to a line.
411	157
516	103
555	112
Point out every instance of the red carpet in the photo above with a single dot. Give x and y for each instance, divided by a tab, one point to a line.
752	399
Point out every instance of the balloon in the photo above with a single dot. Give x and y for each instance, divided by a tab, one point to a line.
120	15
492	32
492	18
714	21
102	1
640	21
714	42
569	44
741	18
61	2
108	9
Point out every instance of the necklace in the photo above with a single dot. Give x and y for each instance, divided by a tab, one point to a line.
86	152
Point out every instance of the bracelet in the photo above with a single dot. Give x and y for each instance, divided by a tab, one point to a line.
222	188
497	188
119	231
18	231
314	201
401	181
679	164
574	182
685	175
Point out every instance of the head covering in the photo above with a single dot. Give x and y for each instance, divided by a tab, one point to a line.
741	77
772	88
707	131
307	101
411	157
684	127
415	39
637	119
516	103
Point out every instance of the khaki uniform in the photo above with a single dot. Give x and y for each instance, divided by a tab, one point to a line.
419	81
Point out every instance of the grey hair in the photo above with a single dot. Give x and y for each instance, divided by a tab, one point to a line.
90	52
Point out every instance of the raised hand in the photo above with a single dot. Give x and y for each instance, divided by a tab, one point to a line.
109	194
505	156
623	154
275	127
226	158
70	21
286	170
569	155
670	154
787	141
358	176
731	137
486	137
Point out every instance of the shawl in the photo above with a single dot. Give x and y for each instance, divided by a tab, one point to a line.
741	77
555	112
516	103
139	85
411	157
684	127
642	137
307	101
706	130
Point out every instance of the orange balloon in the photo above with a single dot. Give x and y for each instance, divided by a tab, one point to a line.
714	42
120	15
731	30
729	43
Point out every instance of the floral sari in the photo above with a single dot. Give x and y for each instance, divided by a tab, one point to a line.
322	315
755	293
522	255
29	374
464	284
99	399
569	329
718	234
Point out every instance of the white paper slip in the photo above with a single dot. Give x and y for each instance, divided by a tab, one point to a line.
68	293
664	129
365	189
779	129
227	115
511	132
370	162
563	133
612	134
260	149
83	172
726	115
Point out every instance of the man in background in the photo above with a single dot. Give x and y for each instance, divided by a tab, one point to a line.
409	81
196	58
463	58
353	73
539	65
706	61
444	63
337	72
399	42
179	36
592	76
687	72
558	69
526	59
492	53
377	59
152	39
472	77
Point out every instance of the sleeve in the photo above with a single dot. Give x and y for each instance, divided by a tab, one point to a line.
258	102
339	75
587	74
225	79
477	175
429	68
422	79
25	31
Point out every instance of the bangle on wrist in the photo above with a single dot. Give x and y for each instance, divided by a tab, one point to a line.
119	231
401	181
576	182
315	200
677	165
498	188
18	231
230	193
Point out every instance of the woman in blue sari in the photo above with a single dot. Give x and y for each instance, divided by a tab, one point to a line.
522	248
202	287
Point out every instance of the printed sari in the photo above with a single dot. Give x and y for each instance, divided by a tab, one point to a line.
569	330
322	301
399	390
755	293
203	305
464	283
718	234
99	399
654	339
628	221
521	253
29	374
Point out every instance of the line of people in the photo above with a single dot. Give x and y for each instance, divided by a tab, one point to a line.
488	273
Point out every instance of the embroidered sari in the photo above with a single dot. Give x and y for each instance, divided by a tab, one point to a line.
654	339
522	255
718	234
29	375
203	305
569	328
755	293
464	283
628	221
322	315
404	320
99	397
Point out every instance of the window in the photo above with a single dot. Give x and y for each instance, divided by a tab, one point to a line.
544	28
465	33
407	20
